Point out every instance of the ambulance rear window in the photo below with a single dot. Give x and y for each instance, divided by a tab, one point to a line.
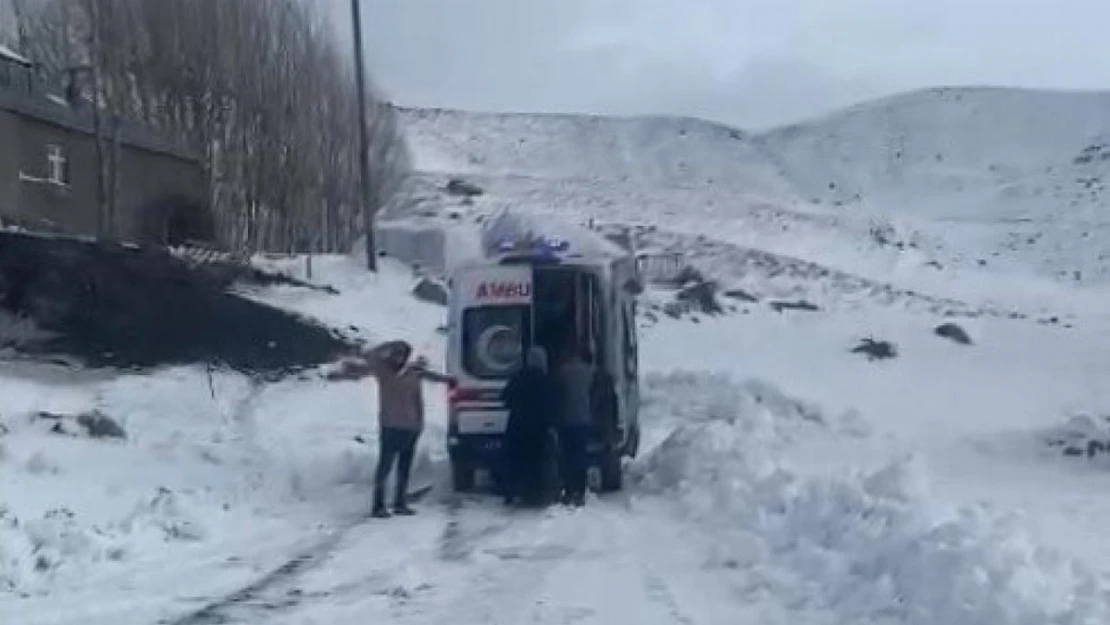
493	340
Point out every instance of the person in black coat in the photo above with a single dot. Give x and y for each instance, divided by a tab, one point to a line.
531	397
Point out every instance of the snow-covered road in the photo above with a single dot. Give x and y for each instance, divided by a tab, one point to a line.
467	559
469	562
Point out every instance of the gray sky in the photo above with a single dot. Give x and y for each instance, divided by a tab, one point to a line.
747	62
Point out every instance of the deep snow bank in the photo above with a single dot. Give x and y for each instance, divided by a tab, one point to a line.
868	548
192	469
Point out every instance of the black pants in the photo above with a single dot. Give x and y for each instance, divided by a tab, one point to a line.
574	448
394	445
522	466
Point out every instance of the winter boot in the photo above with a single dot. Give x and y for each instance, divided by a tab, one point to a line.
379	511
402	509
401	506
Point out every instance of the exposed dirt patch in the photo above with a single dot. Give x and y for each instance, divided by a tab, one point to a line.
125	306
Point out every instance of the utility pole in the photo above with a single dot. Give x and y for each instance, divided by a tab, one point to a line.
103	224
363	139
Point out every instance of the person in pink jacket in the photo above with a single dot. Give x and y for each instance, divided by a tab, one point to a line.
400	414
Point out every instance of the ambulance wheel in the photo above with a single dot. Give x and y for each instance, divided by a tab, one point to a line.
462	476
612	473
632	448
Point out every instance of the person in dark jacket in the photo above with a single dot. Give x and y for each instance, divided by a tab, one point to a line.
400	414
604	405
575	384
531	398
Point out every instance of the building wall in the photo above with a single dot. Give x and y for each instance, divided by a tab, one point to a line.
151	183
42	203
156	182
152	186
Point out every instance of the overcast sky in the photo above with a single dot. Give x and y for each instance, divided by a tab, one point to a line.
751	63
748	62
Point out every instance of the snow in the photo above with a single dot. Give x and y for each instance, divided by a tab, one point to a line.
11	55
218	471
868	548
782	479
1000	187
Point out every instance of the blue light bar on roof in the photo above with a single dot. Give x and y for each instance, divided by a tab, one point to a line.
545	245
556	244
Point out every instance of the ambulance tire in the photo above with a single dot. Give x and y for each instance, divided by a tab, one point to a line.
612	472
632	446
462	476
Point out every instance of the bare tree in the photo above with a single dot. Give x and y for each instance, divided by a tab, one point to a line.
258	88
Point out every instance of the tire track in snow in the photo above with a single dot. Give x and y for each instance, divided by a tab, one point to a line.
459	538
458	527
276	590
601	564
253	595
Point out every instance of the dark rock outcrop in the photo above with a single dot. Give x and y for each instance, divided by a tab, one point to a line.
953	332
458	186
875	349
430	290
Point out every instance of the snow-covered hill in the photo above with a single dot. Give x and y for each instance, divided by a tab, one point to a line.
1017	175
999	182
639	150
962	154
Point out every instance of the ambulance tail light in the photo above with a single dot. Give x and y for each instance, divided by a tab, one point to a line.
456	394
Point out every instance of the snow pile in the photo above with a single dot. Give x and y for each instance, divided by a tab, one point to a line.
222	455
60	546
1082	435
870	548
71	504
36	549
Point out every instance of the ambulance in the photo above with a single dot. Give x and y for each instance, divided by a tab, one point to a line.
534	290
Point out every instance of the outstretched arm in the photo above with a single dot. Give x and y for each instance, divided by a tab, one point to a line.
351	369
428	375
359	366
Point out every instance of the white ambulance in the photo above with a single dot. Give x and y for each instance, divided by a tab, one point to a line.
535	291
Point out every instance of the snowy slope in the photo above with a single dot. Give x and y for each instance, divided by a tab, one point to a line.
1001	181
974	159
638	150
955	153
